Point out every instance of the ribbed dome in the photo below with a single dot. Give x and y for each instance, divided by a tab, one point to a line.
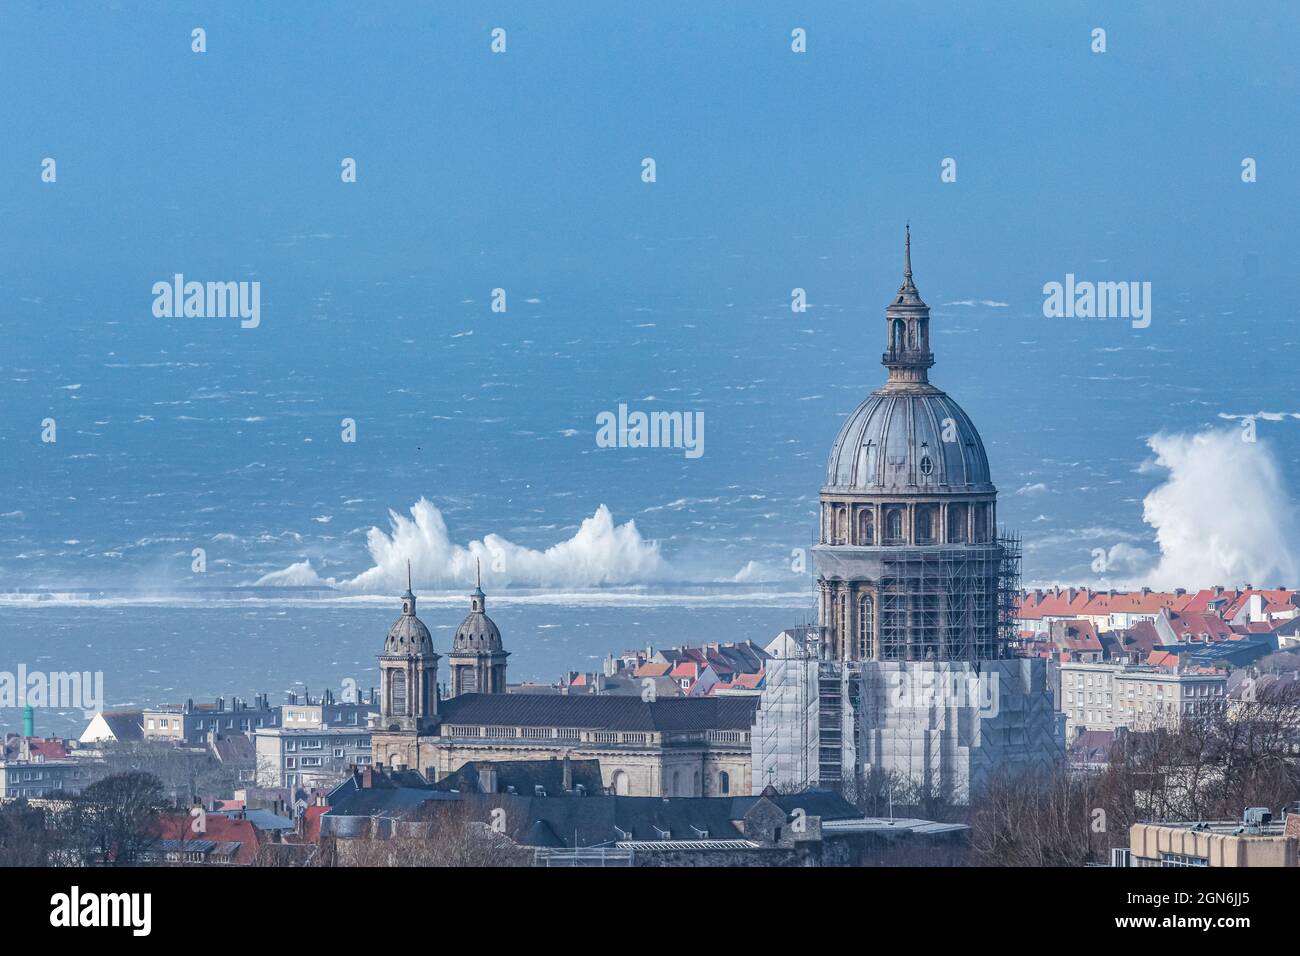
408	635
893	441
477	632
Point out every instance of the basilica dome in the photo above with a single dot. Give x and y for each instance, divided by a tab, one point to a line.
908	437
895	442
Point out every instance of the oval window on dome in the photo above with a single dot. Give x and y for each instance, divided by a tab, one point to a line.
927	466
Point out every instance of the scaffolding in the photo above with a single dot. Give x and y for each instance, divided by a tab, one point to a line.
953	606
786	727
1009	593
939	604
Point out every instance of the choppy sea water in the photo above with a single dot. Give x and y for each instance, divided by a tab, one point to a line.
169	651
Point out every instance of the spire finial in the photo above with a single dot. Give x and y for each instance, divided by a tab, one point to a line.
408	574
478	573
907	252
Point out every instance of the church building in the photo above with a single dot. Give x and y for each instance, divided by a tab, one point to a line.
675	747
910	671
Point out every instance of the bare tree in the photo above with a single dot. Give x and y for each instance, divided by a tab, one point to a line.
113	819
446	834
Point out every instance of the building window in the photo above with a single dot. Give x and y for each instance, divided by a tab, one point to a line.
397	693
866	627
724	782
866	527
894	526
925	525
957	523
618	783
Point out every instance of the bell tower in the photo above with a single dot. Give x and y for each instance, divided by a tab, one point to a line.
408	673
478	658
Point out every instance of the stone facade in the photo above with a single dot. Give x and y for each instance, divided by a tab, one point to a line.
643	762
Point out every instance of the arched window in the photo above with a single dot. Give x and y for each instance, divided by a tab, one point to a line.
618	783
866	627
724	782
397	693
841	525
677	784
957	523
924	525
866	527
894	526
898	340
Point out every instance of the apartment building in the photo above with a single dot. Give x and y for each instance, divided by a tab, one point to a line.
1107	695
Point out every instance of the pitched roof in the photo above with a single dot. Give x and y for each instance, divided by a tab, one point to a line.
1076	636
626	713
1190	626
124	724
52	749
525	776
217	828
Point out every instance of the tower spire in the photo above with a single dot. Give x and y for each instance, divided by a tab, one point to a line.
478	573
408	599
908	285
907	325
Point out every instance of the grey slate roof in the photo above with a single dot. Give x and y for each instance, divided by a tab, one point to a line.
826	804
525	776
125	724
673	715
602	820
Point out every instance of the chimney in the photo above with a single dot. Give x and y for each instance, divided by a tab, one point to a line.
367	781
1146	591
221	703
1179	592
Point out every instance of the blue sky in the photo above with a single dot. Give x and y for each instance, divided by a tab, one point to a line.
522	171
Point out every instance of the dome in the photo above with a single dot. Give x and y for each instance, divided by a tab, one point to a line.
408	635
893	442
477	632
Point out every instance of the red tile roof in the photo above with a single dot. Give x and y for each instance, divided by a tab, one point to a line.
51	749
1076	636
1199	627
218	828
